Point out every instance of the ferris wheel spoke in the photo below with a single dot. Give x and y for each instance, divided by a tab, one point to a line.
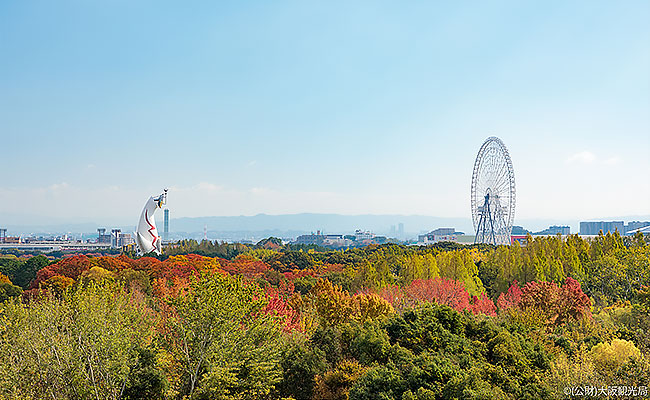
502	174
496	185
501	169
502	185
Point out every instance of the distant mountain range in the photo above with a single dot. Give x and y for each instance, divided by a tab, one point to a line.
291	225
327	223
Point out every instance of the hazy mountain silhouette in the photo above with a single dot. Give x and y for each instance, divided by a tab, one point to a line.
291	225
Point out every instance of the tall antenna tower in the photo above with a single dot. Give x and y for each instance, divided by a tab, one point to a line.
166	225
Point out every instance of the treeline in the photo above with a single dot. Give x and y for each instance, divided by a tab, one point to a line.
610	267
269	321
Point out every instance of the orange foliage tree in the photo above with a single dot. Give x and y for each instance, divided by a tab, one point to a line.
246	265
185	266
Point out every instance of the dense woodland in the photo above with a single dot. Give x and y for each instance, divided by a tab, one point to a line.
228	321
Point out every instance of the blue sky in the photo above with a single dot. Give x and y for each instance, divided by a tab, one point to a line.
346	107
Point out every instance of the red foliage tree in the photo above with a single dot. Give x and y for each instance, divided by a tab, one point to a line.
331	268
71	267
511	298
298	273
164	289
441	290
543	295
75	266
278	305
574	303
483	305
113	264
395	295
558	304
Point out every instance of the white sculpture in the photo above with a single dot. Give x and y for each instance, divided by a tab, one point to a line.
146	235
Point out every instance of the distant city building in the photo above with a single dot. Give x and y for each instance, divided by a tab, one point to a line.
360	235
633	226
115	237
102	237
443	231
645	230
400	230
554	230
593	228
124	239
438	235
336	241
310	239
3	234
11	239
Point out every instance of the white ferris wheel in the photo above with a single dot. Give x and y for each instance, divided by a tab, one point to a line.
493	193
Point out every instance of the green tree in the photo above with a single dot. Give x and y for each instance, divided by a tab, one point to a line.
301	362
25	275
79	345
7	289
223	344
146	380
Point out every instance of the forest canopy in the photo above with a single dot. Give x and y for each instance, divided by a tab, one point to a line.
214	320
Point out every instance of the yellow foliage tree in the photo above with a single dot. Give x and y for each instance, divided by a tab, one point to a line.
371	306
98	274
336	384
569	371
58	284
4	278
608	357
336	306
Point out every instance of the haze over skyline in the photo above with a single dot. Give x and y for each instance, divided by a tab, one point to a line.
285	108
